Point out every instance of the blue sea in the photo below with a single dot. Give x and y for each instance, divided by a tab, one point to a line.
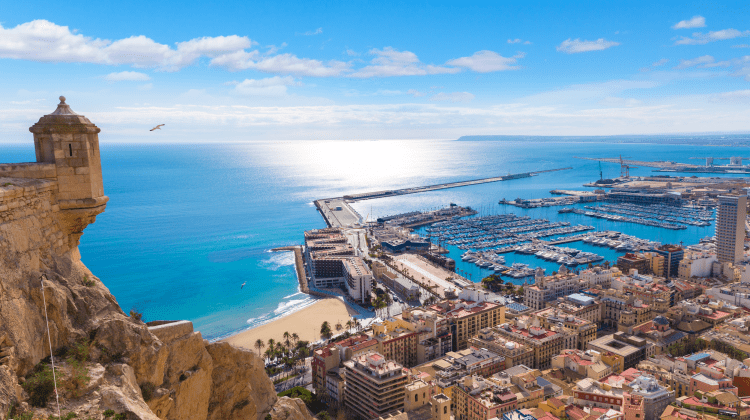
187	225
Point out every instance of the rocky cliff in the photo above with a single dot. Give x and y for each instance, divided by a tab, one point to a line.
105	359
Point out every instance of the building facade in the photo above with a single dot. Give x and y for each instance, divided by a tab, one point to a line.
374	386
730	228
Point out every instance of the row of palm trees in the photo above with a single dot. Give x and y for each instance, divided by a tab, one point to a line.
291	351
327	332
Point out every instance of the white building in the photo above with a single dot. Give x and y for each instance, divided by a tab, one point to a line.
655	397
599	276
696	264
549	288
358	279
730	228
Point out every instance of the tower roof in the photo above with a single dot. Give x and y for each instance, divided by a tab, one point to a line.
64	119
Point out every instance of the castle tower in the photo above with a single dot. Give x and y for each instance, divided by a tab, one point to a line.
71	142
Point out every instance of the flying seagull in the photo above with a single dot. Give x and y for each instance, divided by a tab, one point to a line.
243	285
158	127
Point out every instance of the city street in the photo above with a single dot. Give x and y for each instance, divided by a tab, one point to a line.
303	379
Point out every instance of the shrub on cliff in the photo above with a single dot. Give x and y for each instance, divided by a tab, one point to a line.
80	350
147	390
137	316
79	377
40	385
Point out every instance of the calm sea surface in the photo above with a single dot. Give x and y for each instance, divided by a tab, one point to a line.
186	225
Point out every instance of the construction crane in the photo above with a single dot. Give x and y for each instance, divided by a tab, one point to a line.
625	169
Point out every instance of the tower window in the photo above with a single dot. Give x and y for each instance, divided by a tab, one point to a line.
70	148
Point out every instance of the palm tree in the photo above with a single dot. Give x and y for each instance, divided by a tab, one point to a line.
325	329
259	344
339	327
287	338
349	325
271	343
295	338
269	354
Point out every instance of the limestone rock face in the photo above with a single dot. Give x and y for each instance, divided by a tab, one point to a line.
41	273
9	388
290	409
241	388
119	337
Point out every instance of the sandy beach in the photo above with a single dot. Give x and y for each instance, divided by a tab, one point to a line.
306	323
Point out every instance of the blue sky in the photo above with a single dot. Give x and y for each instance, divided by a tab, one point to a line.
385	70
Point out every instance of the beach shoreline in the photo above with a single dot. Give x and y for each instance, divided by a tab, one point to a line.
305	323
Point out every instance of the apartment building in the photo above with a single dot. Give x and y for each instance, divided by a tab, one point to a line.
549	288
586	363
467	317
631	349
476	398
730	228
374	386
515	353
545	342
329	357
581	329
655	397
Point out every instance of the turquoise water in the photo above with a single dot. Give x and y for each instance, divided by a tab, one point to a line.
186	225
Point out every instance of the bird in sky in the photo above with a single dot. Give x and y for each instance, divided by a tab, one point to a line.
158	127
243	285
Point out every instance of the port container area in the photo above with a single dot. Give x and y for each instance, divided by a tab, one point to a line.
690	235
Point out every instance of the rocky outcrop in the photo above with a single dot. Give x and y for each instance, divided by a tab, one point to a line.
238	376
181	376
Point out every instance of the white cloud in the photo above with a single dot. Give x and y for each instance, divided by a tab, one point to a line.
351	53
741	46
616	101
452	97
146	86
740	65
518	41
311	33
694	22
487	61
415	93
698	61
700	38
577	46
653	65
271	86
127	76
737	95
282	63
391	62
41	40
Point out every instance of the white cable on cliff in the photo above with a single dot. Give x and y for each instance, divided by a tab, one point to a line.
49	338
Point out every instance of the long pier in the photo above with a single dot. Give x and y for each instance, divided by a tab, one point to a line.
338	213
414	190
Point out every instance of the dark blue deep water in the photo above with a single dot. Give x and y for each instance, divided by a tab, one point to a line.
186	225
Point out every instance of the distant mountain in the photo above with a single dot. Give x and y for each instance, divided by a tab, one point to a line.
697	139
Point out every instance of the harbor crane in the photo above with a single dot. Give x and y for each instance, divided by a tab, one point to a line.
625	169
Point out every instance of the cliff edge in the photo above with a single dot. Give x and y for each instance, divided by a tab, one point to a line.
107	363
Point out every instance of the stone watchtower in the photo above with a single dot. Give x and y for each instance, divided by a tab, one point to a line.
71	142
